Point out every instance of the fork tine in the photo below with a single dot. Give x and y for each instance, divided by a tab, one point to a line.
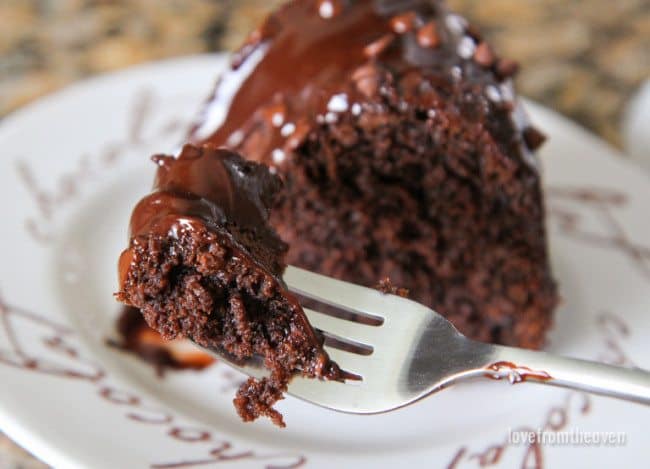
342	397
354	298
344	329
326	289
348	361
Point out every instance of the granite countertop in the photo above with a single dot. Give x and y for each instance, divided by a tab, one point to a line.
583	58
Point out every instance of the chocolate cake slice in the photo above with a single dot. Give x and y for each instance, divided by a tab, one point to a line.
384	144
404	154
203	263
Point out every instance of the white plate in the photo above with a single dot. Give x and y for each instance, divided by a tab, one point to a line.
73	165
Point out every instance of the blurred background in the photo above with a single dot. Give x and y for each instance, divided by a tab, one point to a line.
584	58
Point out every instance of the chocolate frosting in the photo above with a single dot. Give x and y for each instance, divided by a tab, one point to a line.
214	185
210	188
314	59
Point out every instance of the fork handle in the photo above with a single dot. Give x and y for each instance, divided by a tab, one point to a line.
517	365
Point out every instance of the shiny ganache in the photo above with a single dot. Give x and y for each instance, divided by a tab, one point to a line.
312	60
210	187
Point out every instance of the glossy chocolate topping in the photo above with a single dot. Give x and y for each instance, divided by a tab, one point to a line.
214	185
314	59
213	188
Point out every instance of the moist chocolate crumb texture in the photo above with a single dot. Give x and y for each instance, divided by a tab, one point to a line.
203	263
403	154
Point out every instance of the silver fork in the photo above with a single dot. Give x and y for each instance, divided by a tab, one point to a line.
403	351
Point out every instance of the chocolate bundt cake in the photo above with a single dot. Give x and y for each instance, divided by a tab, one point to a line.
404	158
404	152
203	263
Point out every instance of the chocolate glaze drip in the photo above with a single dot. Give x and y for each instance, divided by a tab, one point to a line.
137	338
215	188
303	66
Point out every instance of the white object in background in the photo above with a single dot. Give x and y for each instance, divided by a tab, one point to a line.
636	126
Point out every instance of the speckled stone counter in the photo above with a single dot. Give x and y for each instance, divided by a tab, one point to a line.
583	58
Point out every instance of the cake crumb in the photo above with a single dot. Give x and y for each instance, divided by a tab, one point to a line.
387	287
